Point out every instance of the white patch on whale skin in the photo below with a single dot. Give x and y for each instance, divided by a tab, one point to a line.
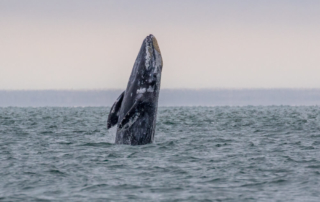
148	57
148	53
150	89
132	120
141	90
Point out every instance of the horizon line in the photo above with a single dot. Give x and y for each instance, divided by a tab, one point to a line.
116	89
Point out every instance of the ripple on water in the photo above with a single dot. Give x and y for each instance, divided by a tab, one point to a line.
200	154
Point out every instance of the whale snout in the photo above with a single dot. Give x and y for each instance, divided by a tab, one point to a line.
152	40
149	39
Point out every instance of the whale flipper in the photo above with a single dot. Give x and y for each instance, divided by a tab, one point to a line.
114	111
131	116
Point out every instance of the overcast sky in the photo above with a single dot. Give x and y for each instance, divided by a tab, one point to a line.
77	44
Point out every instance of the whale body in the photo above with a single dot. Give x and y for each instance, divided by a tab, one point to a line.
135	110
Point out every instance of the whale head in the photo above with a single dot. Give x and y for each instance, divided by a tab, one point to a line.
146	73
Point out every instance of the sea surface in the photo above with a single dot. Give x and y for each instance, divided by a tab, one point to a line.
267	153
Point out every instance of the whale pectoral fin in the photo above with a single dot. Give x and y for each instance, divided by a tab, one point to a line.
114	112
131	116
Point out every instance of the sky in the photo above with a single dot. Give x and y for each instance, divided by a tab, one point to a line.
78	44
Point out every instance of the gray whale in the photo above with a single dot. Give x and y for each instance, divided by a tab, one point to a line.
135	110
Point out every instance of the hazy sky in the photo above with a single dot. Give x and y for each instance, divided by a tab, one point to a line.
77	44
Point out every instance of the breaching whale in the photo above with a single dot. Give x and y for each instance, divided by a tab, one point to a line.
135	110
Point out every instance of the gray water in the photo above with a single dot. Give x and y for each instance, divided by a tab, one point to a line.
200	154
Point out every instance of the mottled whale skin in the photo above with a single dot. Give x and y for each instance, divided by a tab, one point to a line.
135	111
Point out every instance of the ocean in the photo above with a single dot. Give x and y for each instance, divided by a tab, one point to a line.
250	153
